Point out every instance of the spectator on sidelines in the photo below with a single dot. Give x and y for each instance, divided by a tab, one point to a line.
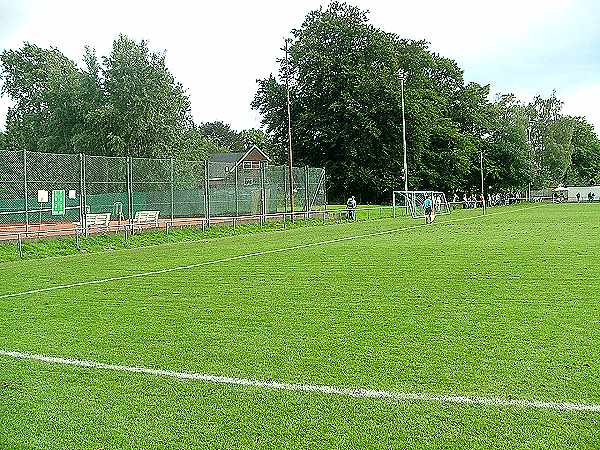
455	201
473	201
351	208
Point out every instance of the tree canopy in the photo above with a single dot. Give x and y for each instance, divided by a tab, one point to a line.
126	103
346	112
346	115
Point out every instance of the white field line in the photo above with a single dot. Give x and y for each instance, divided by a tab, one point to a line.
313	388
250	255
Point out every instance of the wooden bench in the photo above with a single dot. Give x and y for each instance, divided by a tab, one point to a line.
101	220
145	218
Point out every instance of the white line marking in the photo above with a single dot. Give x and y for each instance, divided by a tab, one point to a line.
249	255
312	388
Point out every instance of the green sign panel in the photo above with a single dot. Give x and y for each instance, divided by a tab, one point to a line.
58	203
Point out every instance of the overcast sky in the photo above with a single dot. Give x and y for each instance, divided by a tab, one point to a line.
218	49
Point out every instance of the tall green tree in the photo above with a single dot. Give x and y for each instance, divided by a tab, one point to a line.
147	110
551	140
223	135
45	87
93	136
584	168
346	112
506	148
270	100
127	103
262	140
444	119
195	145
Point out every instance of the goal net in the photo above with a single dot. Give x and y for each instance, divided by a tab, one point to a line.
412	202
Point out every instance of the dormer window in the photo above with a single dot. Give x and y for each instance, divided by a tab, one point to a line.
249	165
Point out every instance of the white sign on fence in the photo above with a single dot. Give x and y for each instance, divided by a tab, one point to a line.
42	196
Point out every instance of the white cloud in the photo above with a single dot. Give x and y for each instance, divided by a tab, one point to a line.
585	98
471	28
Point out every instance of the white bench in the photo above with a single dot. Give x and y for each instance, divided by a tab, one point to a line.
101	220
145	218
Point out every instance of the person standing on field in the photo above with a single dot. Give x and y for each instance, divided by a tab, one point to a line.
428	208
351	207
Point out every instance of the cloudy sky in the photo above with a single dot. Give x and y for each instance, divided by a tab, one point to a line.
218	49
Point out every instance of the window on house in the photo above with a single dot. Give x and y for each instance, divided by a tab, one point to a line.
251	165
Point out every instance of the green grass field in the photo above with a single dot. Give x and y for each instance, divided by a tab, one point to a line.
94	243
504	306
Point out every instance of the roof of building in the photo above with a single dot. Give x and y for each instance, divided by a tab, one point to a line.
235	158
226	157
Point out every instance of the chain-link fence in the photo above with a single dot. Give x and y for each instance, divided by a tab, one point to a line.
13	186
52	191
105	186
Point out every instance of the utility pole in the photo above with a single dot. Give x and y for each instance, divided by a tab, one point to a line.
402	75
481	169
485	138
530	162
289	114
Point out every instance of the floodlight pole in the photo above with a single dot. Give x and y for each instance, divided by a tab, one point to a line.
26	191
530	162
289	114
481	169
484	138
402	75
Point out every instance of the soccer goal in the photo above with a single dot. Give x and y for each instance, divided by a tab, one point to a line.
412	202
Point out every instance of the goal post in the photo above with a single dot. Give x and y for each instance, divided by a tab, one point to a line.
412	202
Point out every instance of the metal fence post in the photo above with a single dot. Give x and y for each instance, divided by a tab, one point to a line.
206	194
285	191
263	196
81	194
325	187
85	203
235	190
306	193
25	187
129	190
172	190
20	245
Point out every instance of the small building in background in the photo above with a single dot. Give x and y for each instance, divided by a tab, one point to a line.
586	193
223	165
